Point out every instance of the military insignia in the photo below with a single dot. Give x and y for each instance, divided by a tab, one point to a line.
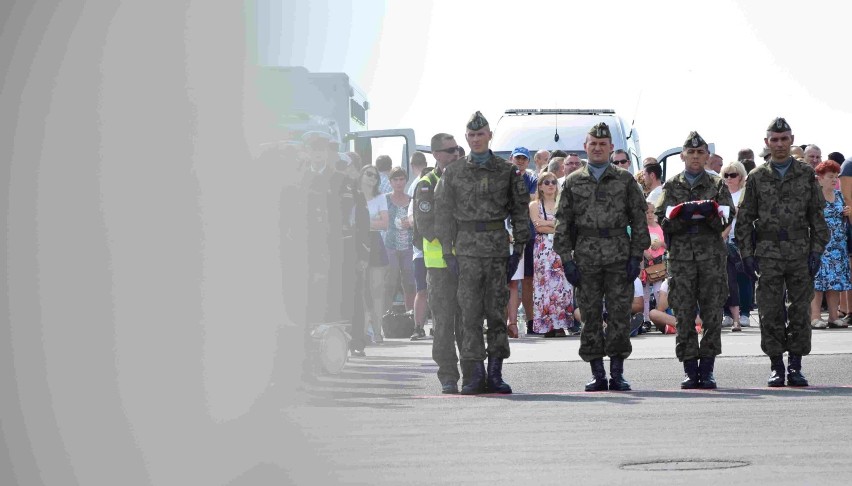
695	142
424	189
778	124
483	186
424	206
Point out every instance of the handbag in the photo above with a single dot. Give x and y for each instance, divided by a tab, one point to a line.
397	325
735	258
656	272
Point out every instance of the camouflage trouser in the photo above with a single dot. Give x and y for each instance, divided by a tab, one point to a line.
442	286
775	335
610	282
692	285
483	294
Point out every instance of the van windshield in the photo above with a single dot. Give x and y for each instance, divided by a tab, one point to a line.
537	132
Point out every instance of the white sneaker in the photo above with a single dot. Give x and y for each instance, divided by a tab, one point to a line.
818	324
727	321
745	321
838	323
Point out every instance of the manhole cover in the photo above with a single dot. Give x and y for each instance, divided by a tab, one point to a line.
683	465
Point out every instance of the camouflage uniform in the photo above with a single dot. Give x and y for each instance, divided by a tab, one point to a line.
441	284
780	221
472	203
696	265
591	221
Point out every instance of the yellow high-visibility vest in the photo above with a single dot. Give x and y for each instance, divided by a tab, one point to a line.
433	253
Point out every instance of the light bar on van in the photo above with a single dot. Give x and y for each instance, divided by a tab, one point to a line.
560	111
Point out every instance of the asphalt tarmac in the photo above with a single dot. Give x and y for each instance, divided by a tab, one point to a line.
382	420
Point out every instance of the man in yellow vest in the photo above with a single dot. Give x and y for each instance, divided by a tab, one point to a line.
441	284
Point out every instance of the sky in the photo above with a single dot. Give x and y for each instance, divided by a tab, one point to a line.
725	69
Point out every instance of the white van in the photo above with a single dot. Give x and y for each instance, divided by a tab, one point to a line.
561	128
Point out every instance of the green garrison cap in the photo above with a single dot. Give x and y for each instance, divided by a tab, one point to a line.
477	121
601	130
778	125
694	140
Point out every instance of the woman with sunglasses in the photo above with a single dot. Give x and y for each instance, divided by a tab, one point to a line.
374	276
740	287
553	296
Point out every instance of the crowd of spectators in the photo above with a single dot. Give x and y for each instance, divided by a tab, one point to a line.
539	286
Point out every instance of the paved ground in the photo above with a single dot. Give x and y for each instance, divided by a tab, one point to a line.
383	420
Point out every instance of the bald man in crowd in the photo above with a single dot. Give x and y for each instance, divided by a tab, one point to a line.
541	158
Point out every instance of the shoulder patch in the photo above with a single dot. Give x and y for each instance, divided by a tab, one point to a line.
424	206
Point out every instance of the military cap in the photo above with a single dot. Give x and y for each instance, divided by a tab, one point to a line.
601	130
778	125
477	121
694	140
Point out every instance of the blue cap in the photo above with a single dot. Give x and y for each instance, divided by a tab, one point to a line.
521	151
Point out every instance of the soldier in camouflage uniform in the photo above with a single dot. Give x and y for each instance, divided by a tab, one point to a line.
441	283
598	203
697	260
472	200
782	233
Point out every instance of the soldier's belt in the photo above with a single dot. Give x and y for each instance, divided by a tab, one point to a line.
698	228
782	235
602	232
480	226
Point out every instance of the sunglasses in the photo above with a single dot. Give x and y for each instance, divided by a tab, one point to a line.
730	175
549	182
619	162
450	150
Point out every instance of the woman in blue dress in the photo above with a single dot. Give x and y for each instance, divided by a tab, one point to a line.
834	275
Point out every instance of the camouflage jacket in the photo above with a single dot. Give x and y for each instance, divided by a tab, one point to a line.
699	239
587	205
472	202
781	218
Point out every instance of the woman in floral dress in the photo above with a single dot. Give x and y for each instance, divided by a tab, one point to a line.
833	276
553	296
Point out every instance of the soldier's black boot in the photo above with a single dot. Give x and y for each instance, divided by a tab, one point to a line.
449	387
476	383
705	373
776	379
495	377
794	371
690	381
616	378
466	372
598	382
